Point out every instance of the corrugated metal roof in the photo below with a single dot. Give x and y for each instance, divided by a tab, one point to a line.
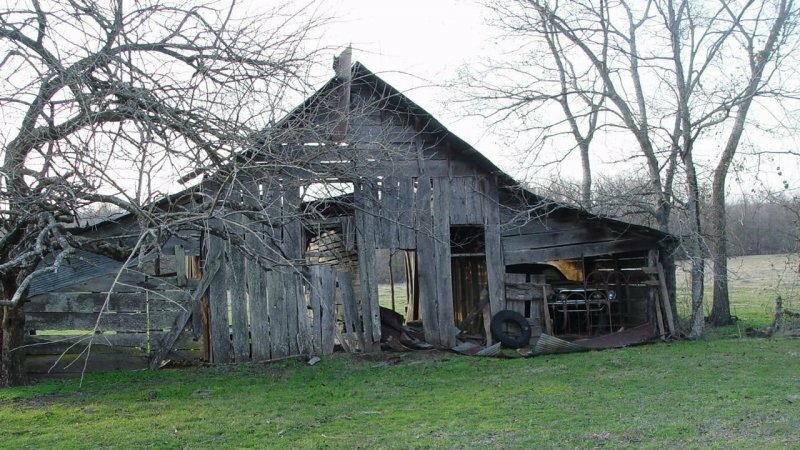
77	267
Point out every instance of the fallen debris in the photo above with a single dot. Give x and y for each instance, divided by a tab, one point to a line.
398	337
549	345
314	360
492	350
622	338
779	323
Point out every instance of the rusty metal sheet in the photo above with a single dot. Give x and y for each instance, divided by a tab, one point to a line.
630	336
548	345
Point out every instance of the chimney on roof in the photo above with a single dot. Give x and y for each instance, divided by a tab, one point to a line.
341	64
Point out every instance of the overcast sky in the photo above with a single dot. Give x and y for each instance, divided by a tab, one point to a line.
416	45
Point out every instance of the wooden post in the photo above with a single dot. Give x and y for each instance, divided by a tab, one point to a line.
548	324
665	299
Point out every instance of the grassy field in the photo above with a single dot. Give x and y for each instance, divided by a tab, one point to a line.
755	281
722	392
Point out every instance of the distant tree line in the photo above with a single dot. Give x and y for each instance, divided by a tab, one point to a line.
760	223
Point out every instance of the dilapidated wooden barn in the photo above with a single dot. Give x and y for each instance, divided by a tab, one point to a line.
274	254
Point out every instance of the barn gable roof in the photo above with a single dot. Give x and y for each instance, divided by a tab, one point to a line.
461	148
361	75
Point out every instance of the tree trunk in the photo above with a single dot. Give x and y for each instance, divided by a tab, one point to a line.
586	182
695	250
12	356
721	307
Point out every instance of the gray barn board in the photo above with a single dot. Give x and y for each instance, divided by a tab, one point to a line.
365	238
441	257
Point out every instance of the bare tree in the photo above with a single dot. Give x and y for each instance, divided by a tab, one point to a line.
105	102
544	79
766	35
663	69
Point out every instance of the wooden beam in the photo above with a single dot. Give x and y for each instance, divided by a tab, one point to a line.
166	344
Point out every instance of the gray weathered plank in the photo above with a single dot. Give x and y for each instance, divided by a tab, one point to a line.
386	223
108	322
293	242
255	273
73	363
459	212
221	346
556	238
365	237
425	258
574	251
442	263
315	301
116	339
92	302
523	291
495	263
180	265
238	303
322	298
354	332
128	281
279	339
328	307
406	214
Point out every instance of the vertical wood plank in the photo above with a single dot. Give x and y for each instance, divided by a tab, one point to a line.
354	332
278	339
389	224
259	311
315	298
662	284
254	278
239	322
426	276
180	265
327	275
442	263
365	237
221	346
458	201
293	288
495	267
406	211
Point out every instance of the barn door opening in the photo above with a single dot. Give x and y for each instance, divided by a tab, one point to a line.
468	271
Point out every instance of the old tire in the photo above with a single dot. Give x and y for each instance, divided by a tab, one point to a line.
511	329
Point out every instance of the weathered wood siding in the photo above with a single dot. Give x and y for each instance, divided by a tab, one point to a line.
562	236
118	322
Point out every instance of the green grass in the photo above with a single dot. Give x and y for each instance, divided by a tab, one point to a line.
723	392
400	297
754	283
